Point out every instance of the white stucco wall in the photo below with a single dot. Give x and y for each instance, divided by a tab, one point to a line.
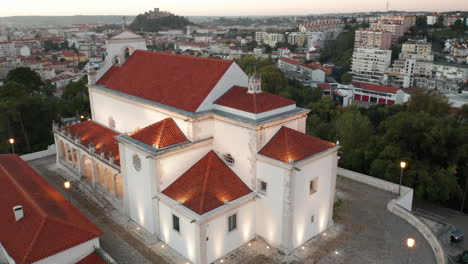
317	204
269	207
171	167
141	187
72	255
233	76
220	241
269	130
185	242
240	143
128	115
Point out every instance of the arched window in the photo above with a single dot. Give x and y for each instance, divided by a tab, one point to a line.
229	159
111	122
136	162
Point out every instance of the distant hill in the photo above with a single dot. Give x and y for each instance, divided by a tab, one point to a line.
151	23
61	20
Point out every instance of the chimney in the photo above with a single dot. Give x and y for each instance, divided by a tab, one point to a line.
91	76
18	211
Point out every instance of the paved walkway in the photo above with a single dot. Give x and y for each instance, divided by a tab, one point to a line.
117	241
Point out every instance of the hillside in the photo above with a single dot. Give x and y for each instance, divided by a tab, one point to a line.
147	23
61	20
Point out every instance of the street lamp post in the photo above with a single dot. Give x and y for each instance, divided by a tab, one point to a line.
410	243
402	166
12	143
464	193
67	185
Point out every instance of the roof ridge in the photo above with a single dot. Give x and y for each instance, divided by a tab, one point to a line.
33	242
20	188
160	132
288	149
205	181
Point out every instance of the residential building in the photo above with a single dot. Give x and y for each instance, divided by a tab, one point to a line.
38	225
432	19
373	39
322	25
449	20
448	76
413	66
269	38
395	28
7	49
208	162
297	38
369	65
307	73
459	52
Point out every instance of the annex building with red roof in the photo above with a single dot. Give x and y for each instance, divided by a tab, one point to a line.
38	224
194	152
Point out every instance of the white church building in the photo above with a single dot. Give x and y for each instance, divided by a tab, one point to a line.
193	151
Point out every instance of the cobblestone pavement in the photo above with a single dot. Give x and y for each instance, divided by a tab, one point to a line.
117	241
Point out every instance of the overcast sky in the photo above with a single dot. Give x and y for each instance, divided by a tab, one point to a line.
218	7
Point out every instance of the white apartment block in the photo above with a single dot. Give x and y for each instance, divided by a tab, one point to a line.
447	76
369	65
7	49
414	66
269	38
297	38
373	39
324	25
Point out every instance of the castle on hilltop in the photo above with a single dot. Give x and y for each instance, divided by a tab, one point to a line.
156	13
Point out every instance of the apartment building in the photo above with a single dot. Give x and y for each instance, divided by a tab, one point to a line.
373	39
323	25
297	38
448	76
369	65
269	38
413	66
7	49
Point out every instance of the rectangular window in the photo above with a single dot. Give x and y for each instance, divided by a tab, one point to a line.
262	187
313	186
175	223
232	222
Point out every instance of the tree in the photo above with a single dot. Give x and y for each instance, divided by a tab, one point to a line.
428	101
440	22
346	77
26	77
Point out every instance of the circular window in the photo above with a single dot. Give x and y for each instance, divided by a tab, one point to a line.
136	162
229	159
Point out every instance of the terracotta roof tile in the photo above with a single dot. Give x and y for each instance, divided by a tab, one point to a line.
92	258
376	87
290	61
289	145
161	134
100	136
174	80
206	185
50	225
238	98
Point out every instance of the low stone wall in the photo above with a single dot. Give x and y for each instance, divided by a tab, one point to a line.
40	154
430	237
400	207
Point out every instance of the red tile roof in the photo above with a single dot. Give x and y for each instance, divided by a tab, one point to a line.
206	185
291	145
161	134
50	225
324	86
376	87
238	98
92	258
174	80
100	136
290	61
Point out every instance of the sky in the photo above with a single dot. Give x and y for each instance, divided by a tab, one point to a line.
218	7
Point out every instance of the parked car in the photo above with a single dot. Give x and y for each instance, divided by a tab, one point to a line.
455	234
463	258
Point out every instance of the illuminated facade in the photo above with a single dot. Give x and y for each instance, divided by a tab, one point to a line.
193	151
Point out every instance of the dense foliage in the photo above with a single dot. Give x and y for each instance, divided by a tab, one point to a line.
28	107
147	24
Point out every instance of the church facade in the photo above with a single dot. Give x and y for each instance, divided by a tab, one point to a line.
193	151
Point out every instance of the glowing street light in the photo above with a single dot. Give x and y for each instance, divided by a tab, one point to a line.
12	143
67	185
403	165
82	116
410	242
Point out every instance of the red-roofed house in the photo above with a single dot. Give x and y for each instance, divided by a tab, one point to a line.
174	144
38	225
376	93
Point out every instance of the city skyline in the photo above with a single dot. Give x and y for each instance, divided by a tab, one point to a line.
217	8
